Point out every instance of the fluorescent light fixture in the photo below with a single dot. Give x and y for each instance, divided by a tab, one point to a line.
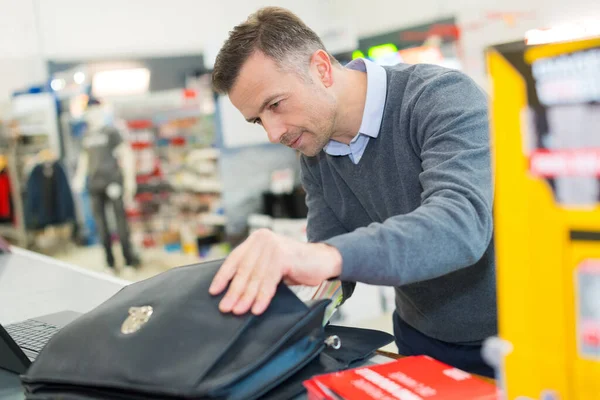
121	82
382	50
564	32
357	54
58	84
79	77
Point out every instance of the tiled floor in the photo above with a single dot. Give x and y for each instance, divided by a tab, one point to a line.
363	309
154	261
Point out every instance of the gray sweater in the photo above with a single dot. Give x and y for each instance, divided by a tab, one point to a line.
416	212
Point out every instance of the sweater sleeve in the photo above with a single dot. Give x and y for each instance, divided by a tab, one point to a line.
322	223
452	227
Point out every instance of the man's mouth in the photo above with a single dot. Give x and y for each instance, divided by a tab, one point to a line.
296	142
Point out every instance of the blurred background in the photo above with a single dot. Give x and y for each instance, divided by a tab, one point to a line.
201	178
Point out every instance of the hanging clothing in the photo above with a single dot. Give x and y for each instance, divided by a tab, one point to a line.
6	212
49	199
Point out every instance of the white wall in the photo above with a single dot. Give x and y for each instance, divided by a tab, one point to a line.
479	32
82	29
18	73
75	29
20	60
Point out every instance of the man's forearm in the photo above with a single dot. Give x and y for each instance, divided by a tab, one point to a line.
432	241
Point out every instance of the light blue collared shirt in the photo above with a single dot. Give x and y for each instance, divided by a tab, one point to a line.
372	115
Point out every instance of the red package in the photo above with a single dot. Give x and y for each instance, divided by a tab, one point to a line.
409	378
318	391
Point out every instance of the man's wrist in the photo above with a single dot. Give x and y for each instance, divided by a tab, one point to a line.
333	260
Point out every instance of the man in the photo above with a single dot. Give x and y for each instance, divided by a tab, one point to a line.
396	166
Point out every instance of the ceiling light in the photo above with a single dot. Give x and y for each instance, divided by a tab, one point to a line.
79	77
57	84
565	32
121	82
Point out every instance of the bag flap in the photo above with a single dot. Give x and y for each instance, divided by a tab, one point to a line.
358	344
297	346
263	339
184	338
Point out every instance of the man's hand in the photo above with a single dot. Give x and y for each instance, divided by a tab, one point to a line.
256	267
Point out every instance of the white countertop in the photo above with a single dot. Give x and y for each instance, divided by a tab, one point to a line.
32	285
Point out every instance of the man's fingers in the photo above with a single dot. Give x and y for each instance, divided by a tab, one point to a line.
266	292
227	271
240	280
259	270
264	297
247	299
233	294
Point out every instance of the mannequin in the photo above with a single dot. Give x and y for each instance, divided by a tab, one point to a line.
108	163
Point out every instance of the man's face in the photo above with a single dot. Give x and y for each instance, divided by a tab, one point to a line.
295	111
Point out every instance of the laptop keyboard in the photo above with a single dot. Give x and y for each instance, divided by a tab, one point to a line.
31	334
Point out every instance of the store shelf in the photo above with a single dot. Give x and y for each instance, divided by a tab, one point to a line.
213	219
174	138
7	230
33	130
197	155
207	187
204	168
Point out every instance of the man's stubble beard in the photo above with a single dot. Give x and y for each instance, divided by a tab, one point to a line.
326	124
323	121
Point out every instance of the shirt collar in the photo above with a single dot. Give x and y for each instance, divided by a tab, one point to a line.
374	102
376	94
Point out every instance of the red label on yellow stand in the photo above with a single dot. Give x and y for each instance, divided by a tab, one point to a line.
588	309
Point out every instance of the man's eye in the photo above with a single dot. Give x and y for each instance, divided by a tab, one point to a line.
258	121
275	105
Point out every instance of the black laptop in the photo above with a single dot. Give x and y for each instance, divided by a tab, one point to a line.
20	343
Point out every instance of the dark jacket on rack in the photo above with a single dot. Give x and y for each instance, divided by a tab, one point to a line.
49	200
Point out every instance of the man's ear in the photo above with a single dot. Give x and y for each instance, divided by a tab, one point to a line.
320	65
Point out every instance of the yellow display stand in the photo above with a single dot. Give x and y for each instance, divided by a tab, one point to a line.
545	116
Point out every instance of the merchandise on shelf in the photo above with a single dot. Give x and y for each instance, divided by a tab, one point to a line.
178	201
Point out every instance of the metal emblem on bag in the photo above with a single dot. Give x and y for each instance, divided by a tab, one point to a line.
138	316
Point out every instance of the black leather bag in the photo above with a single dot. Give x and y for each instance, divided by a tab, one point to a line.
164	338
357	346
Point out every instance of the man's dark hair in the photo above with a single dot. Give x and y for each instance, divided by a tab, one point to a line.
276	32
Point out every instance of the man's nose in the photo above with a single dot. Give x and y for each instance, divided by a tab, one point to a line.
275	130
